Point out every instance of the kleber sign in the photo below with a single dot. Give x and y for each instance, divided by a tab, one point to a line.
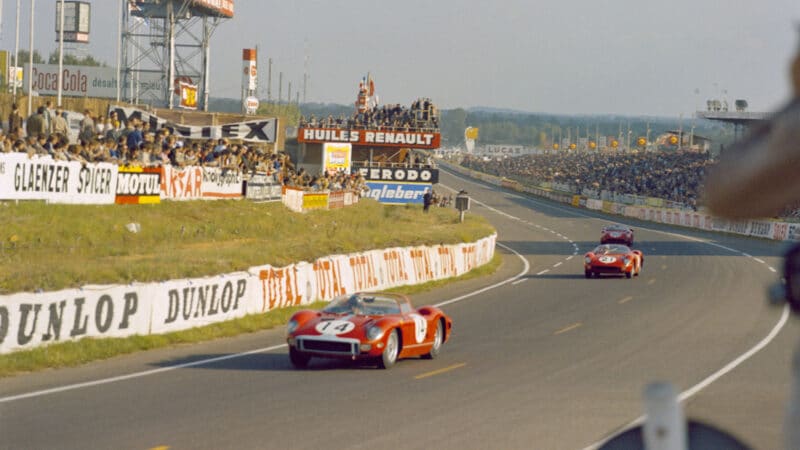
397	193
413	139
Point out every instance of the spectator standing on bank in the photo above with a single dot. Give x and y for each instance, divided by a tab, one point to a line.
135	137
48	117
87	127
35	124
427	199
60	126
14	120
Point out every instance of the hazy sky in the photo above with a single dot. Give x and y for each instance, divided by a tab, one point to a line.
630	57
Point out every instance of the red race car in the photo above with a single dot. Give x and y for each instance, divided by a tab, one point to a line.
616	234
378	326
613	259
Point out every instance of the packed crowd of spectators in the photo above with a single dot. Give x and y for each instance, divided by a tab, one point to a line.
421	116
135	144
675	176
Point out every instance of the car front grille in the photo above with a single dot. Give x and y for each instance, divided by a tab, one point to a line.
607	269
329	346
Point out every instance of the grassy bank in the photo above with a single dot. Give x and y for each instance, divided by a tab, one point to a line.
51	247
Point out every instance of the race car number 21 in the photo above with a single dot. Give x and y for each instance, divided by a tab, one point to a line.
335	327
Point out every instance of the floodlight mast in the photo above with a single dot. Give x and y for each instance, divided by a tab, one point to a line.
164	41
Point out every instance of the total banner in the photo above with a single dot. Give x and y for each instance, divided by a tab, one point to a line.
263	131
30	320
43	178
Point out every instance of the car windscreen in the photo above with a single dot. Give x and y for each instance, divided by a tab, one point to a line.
611	249
360	304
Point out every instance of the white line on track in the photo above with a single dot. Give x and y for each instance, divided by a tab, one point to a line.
685	395
570	257
557	264
724	370
543	272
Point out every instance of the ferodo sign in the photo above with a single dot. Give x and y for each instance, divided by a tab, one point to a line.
400	174
414	139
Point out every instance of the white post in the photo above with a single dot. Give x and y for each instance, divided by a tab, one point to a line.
16	53
171	85
60	53
119	49
665	426
206	62
30	61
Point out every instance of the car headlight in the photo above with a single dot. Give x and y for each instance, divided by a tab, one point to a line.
291	326
587	260
626	261
374	333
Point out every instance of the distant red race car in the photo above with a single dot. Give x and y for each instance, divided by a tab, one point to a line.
616	234
378	326
613	259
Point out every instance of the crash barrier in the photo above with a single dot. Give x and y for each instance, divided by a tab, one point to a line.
43	178
302	200
651	210
30	320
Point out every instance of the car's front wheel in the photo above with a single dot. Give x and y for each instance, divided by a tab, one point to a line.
587	273
390	352
438	338
299	359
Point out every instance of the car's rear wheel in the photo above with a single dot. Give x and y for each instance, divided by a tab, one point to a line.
299	359
438	339
389	356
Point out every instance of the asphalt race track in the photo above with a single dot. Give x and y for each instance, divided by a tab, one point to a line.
545	359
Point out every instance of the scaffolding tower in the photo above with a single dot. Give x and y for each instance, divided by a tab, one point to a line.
166	41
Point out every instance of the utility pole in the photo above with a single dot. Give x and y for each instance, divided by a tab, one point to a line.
16	53
289	97
30	61
280	87
305	70
269	80
61	54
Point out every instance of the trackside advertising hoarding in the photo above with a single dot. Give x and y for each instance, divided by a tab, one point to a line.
402	174
81	81
397	193
42	178
385	138
30	320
